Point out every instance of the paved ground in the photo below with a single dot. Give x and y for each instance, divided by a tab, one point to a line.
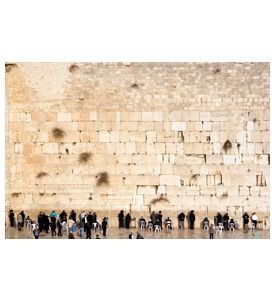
115	233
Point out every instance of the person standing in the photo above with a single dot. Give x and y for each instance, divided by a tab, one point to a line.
225	221
72	215
128	220
245	222
53	227
120	219
211	231
59	228
19	221
160	219
104	225
40	221
192	219
254	219
88	232
23	217
181	218
153	217
35	230
11	217
46	223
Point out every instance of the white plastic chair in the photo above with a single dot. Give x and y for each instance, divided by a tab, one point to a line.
231	227
205	227
253	228
142	225
157	228
95	227
169	227
150	226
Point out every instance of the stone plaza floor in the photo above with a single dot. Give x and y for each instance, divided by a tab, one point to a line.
116	233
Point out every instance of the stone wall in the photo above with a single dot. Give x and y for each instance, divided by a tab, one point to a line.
192	135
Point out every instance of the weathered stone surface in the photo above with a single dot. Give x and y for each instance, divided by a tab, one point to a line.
155	128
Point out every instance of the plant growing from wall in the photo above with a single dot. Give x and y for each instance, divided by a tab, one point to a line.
134	86
84	157
15	195
9	67
227	146
160	199
58	133
102	178
41	175
73	68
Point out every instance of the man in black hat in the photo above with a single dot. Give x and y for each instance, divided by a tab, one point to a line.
104	226
192	219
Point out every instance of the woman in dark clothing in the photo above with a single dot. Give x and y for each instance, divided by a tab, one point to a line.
59	228
219	218
11	217
104	226
40	221
73	215
53	228
192	219
225	221
47	223
120	219
128	220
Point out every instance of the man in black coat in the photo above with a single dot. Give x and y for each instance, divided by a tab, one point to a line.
181	218
225	221
90	219
245	222
160	219
23	218
192	219
104	226
120	219
11	217
73	215
40	221
127	221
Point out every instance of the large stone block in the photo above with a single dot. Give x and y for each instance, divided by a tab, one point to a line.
169	180
178	126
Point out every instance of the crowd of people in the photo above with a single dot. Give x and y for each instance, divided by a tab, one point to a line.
85	223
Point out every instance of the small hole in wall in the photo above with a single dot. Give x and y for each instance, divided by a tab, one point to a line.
41	194
102	179
53	194
67	151
216	71
15	195
208	138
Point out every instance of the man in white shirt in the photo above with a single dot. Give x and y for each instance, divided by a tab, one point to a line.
254	219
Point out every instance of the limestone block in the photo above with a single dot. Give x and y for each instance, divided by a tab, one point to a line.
261	159
129	126
189	148
161	189
198	148
256	136
18	148
192	190
250	148
138	200
166	169
180	148
147	116
124	136
265	147
178	126
194	115
104	137
150	148
175	116
50	148
146	190
145	126
160	148
141	180
130	148
157	116
241	137
120	148
114	136
157	126
250	126
141	148
118	116
214	159
134	116
194	159
215	137
207	126
207	190
93	116
156	169
205	116
169	180
231	159
166	126
64	117
171	148
151	136
266	136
